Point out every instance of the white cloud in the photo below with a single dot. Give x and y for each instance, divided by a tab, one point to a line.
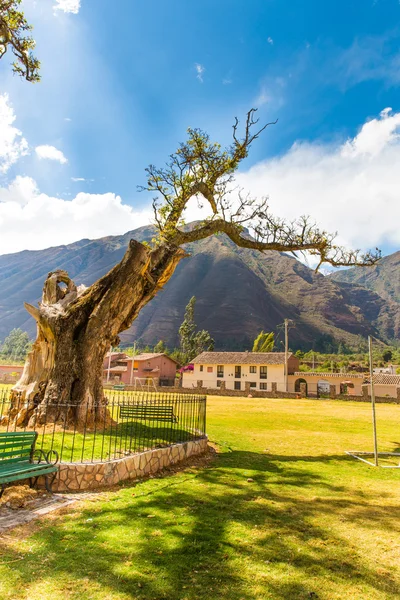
351	187
32	220
68	6
263	98
199	70
78	179
374	136
12	144
51	153
270	40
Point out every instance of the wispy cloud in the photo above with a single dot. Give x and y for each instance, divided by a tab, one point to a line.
270	40
78	179
199	70
12	144
263	97
50	153
68	6
227	80
30	219
358	178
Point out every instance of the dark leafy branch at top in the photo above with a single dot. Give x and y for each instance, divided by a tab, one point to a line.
201	169
13	35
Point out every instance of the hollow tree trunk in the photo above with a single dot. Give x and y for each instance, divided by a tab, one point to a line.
75	329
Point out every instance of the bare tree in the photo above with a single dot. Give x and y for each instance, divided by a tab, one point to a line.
77	326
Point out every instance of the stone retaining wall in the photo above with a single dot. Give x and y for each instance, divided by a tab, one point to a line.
73	477
235	393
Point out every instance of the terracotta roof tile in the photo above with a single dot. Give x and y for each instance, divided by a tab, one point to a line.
384	379
240	358
150	355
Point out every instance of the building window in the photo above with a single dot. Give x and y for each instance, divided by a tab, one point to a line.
253	384
263	386
263	372
220	370
253	369
238	372
237	385
218	383
209	369
201	367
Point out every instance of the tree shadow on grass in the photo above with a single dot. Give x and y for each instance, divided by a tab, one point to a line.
213	534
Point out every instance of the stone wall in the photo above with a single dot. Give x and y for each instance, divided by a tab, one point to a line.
88	476
222	391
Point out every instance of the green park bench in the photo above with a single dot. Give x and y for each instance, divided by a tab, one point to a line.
17	460
148	412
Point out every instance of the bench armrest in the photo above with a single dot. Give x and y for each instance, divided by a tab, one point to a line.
51	457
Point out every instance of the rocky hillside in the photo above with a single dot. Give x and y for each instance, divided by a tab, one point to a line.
383	278
238	293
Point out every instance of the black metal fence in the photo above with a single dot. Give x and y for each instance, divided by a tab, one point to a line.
131	422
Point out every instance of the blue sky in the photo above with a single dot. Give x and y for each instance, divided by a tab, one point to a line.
120	86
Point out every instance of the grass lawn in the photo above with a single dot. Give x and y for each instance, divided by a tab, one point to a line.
282	513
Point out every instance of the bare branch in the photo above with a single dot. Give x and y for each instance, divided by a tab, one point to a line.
202	169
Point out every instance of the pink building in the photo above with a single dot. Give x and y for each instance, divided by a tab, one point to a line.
121	368
10	373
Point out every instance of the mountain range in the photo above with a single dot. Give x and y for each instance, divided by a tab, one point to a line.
238	292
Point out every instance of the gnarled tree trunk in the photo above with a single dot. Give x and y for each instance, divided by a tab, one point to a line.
62	377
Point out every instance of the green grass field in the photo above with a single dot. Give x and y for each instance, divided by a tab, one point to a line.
281	513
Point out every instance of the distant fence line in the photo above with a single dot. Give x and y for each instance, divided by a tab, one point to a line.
136	422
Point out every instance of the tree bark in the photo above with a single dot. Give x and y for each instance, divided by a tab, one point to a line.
62	377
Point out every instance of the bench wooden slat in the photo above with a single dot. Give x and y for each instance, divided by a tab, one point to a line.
26	467
28	474
151	413
17	453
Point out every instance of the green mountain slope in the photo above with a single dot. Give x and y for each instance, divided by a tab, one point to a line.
238	291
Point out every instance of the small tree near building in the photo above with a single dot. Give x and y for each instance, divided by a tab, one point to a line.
387	355
264	342
160	347
16	345
193	342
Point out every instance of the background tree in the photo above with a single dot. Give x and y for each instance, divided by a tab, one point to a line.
160	347
77	325
16	345
193	342
264	342
387	355
13	36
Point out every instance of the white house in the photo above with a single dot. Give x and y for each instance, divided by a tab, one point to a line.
236	369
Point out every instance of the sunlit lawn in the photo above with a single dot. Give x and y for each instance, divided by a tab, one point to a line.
311	522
